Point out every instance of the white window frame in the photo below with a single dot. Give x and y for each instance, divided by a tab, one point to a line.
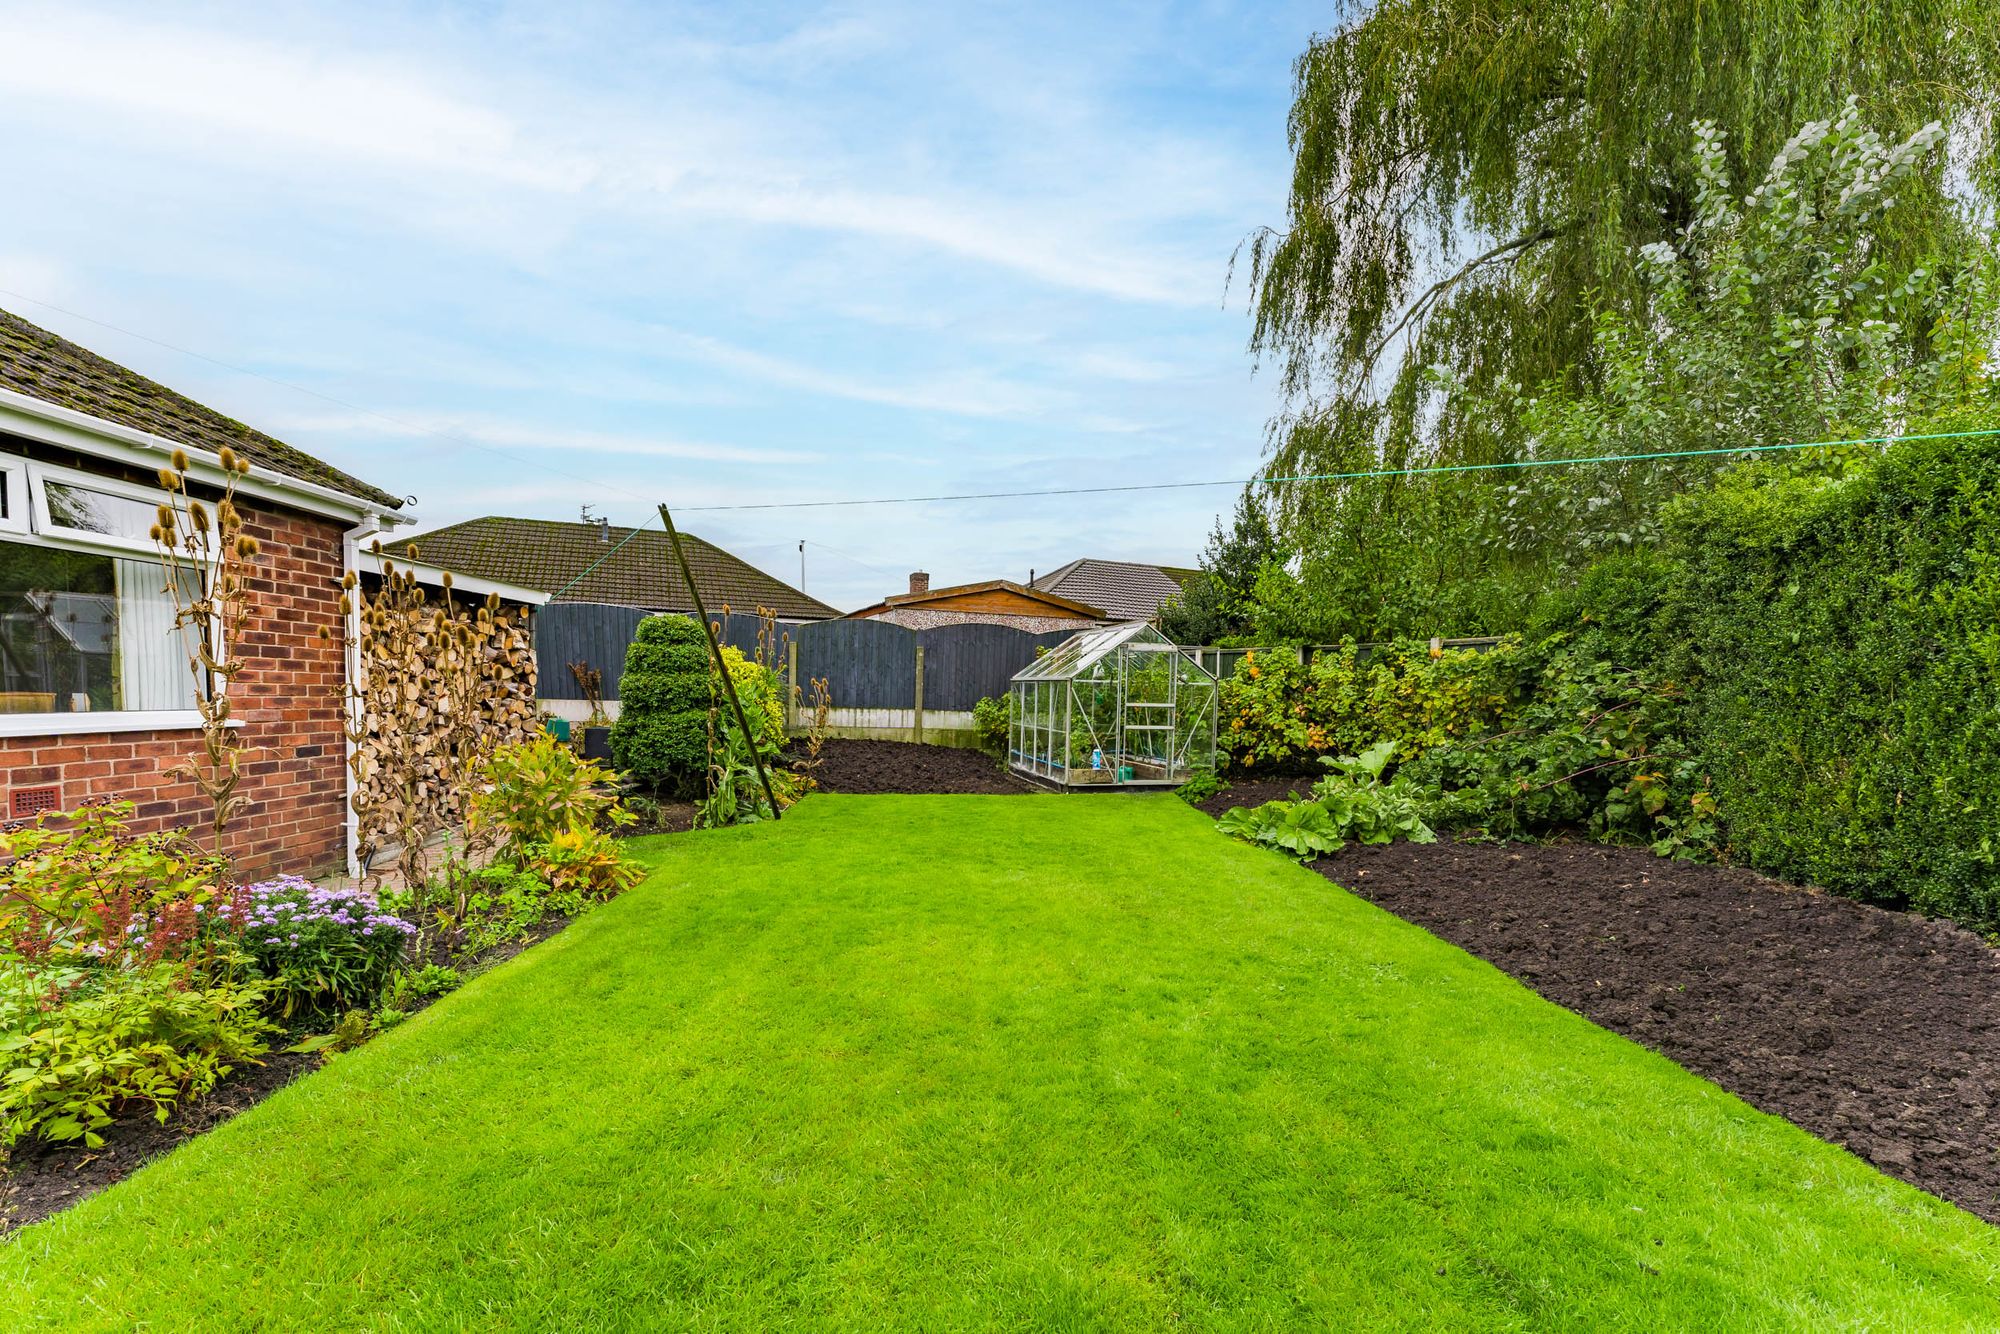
33	526
14	475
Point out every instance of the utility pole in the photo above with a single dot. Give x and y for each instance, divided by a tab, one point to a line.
802	565
721	667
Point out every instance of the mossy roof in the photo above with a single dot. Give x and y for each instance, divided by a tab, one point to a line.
51	368
589	562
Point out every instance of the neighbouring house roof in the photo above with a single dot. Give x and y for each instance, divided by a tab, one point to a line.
999	596
50	368
631	570
1127	590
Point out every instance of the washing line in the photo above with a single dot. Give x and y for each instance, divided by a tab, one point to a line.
1430	471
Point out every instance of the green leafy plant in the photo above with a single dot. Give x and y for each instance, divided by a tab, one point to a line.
81	886
533	790
1199	788
150	1036
585	863
661	736
1352	803
992	722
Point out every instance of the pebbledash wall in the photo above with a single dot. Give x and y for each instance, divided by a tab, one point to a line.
291	808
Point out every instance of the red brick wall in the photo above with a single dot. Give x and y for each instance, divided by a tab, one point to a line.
290	810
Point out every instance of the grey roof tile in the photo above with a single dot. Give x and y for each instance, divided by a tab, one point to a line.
49	367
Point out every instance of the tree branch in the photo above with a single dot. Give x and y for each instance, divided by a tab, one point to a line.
1421	306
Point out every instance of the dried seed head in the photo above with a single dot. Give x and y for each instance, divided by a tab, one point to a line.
445	578
346	605
410	550
348	580
180	460
227	458
198	514
246	545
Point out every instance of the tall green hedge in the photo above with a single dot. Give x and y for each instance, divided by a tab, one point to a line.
661	736
1841	648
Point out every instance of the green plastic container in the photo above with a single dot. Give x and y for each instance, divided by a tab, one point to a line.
558	728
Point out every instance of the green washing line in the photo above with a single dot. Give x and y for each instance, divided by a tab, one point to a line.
1616	458
600	560
1435	469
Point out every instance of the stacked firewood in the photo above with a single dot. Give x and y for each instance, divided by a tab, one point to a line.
442	682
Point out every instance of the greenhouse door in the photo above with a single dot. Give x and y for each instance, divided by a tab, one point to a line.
1147	724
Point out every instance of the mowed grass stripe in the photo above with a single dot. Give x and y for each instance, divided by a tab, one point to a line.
1007	1062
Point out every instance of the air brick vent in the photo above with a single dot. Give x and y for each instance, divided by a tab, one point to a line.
25	803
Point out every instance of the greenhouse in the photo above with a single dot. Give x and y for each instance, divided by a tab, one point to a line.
1118	705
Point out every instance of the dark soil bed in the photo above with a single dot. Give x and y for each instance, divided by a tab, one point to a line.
908	767
1255	792
1876	1030
42	1179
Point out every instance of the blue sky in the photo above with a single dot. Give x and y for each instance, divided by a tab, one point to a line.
602	253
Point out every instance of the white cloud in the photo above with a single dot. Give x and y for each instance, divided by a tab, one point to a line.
518	435
283	107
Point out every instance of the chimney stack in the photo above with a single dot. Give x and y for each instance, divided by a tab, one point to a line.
920	582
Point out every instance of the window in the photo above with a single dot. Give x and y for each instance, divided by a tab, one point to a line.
87	633
13	496
88	509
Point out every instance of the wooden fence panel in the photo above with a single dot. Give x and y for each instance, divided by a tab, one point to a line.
964	664
867	664
593	632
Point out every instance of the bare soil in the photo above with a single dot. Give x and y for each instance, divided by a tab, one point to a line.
910	767
1875	1030
1255	792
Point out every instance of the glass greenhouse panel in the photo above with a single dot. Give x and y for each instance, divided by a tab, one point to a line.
1115	706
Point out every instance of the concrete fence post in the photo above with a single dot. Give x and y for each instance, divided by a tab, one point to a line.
792	696
917	724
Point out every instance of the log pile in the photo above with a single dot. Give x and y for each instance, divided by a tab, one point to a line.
441	684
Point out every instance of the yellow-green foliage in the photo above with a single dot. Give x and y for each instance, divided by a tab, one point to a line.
762	697
1276	714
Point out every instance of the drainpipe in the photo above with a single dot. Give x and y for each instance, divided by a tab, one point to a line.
351	547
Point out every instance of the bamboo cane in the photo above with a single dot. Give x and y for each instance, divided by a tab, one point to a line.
721	667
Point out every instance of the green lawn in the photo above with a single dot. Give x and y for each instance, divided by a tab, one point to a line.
1000	1062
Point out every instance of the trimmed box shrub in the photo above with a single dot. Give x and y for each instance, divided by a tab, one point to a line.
661	736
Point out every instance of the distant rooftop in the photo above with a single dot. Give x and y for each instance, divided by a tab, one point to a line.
1126	590
548	554
49	367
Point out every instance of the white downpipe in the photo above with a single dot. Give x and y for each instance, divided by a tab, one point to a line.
350	561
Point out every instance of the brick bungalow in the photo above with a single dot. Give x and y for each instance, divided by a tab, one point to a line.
96	700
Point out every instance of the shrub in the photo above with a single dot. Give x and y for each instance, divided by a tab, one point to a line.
1840	644
321	948
583	862
81	886
149	1035
534	790
1277	715
661	736
992	723
762	698
1593	747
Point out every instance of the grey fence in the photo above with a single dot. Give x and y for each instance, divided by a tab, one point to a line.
597	634
867	664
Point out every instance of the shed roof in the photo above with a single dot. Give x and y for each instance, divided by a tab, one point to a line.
49	367
1054	602
635	570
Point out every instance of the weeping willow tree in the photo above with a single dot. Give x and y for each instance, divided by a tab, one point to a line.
1475	184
